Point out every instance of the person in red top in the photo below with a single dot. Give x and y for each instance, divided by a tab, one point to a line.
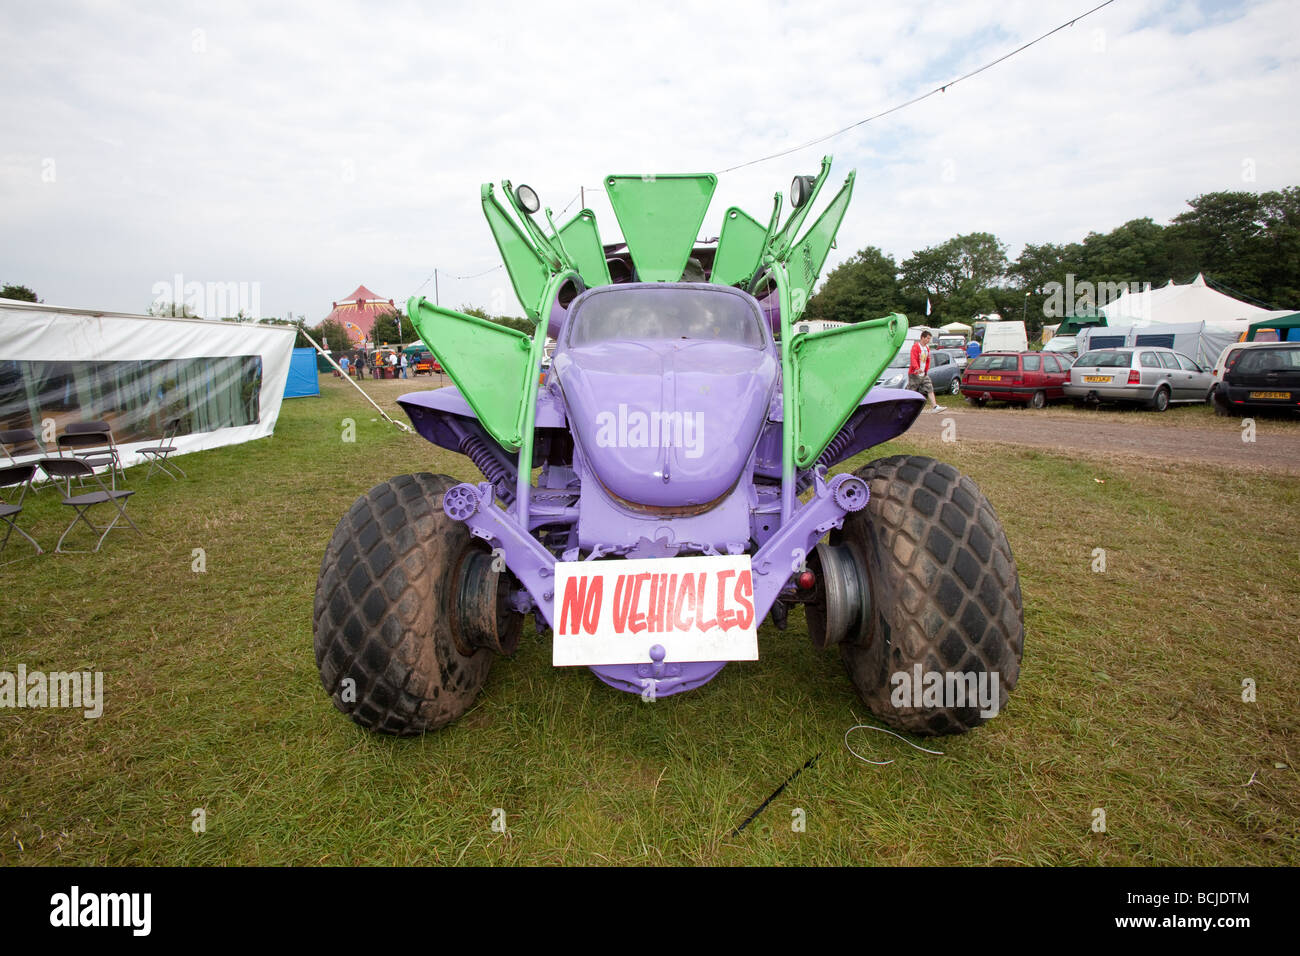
918	370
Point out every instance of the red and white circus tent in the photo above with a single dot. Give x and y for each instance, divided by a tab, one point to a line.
357	313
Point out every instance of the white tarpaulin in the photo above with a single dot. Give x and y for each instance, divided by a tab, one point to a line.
224	381
1193	302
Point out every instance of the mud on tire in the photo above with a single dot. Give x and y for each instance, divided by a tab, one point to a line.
944	589
381	614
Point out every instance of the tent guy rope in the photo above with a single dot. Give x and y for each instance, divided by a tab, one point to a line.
348	378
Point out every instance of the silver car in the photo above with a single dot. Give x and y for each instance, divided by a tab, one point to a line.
945	372
1151	375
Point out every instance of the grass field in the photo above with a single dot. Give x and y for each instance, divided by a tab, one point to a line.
1130	698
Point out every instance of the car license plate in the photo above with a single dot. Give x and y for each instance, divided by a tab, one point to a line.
990	378
613	612
1096	378
1282	395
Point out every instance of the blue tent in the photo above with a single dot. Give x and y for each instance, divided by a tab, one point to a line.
302	380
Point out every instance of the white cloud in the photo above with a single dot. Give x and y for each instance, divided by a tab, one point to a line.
340	143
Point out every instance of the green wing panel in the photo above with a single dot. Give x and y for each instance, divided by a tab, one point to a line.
581	240
832	371
491	364
529	270
809	254
739	247
660	217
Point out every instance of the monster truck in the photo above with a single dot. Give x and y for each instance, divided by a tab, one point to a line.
664	487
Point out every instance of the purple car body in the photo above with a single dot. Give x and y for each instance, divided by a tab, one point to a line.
659	435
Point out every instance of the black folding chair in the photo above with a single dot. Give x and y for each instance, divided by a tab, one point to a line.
14	439
69	468
99	449
157	454
11	477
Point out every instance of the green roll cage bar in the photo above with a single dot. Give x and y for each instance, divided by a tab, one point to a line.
825	374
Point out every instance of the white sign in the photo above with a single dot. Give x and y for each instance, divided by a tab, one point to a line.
613	612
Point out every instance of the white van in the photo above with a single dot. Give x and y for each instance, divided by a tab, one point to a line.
1005	336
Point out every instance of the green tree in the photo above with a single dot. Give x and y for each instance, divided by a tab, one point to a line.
18	292
386	329
955	276
1246	242
510	321
172	310
1137	251
1037	269
331	335
864	286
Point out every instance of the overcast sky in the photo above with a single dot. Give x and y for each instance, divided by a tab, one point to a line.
310	149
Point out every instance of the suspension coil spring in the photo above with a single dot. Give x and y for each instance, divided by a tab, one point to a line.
476	450
838	444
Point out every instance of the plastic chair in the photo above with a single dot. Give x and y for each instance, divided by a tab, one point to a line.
99	449
14	438
157	454
69	468
11	477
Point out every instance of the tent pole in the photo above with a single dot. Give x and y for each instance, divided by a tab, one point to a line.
347	378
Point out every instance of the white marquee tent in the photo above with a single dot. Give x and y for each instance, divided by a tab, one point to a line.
1181	304
224	381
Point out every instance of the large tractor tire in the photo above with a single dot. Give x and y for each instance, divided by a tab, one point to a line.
384	640
945	594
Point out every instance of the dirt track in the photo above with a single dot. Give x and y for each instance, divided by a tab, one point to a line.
1179	434
1276	446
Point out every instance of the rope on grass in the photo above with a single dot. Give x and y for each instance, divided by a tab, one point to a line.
882	730
348	378
775	793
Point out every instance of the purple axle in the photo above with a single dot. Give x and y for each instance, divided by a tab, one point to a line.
774	564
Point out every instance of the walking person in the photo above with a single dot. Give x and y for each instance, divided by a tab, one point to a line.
403	365
344	363
918	371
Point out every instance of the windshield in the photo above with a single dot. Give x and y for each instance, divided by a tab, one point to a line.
1269	360
903	358
996	362
646	313
1105	359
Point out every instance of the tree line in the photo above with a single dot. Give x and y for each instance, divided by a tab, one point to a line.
1246	244
386	330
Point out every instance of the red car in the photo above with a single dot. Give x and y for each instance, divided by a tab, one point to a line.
1031	378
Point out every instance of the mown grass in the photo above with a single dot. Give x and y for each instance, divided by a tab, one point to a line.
1180	415
1129	699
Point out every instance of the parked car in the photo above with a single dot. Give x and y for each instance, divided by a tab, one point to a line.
1229	354
1005	336
421	363
1267	376
958	355
945	373
1152	375
1062	345
1030	378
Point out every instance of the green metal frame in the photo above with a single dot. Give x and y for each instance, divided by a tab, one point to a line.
824	374
487	361
528	415
660	217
